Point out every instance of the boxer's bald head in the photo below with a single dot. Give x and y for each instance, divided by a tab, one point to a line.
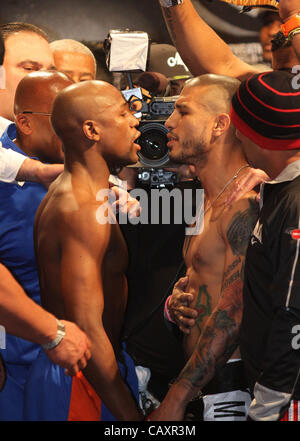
80	102
34	99
95	112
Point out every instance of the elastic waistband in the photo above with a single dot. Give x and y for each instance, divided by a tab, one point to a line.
228	378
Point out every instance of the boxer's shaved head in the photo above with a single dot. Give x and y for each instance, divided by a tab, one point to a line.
216	91
80	102
95	112
201	116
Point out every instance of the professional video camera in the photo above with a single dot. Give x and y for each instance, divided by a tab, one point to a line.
127	52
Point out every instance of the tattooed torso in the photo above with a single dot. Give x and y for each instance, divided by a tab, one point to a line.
208	267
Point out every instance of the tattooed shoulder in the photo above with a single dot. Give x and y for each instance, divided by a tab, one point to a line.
241	226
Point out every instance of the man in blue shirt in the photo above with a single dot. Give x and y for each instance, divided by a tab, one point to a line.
33	137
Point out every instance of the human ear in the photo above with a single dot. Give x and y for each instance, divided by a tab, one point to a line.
91	130
24	124
222	123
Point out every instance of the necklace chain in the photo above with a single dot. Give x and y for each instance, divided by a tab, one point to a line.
217	197
225	186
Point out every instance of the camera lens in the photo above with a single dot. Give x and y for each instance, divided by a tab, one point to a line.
153	145
153	142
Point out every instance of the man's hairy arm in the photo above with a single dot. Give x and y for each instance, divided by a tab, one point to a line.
84	242
20	315
24	318
220	336
202	50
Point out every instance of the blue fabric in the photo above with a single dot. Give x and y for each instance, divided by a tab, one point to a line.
18	206
131	380
48	390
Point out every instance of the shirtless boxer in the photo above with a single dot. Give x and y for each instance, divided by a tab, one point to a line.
193	38
201	134
82	262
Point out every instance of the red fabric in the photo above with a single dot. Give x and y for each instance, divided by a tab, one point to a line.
85	404
292	414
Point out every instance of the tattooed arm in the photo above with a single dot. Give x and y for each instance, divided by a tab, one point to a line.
220	336
196	41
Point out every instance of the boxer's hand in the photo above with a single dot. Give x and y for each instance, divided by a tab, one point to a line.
288	8
73	352
246	183
172	408
125	203
179	306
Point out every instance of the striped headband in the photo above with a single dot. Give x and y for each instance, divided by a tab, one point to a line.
266	109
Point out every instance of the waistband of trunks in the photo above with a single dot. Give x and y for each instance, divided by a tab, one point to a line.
228	378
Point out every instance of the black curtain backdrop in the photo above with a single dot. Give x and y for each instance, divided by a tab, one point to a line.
92	19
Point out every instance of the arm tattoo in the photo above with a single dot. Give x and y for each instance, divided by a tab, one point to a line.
235	276
203	305
169	21
241	227
207	357
231	267
202	365
220	336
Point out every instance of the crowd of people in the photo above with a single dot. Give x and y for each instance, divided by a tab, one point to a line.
67	297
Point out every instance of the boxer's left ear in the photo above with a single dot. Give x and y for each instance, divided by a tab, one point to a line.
91	130
222	123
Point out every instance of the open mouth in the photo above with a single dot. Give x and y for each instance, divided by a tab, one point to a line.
138	134
171	140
